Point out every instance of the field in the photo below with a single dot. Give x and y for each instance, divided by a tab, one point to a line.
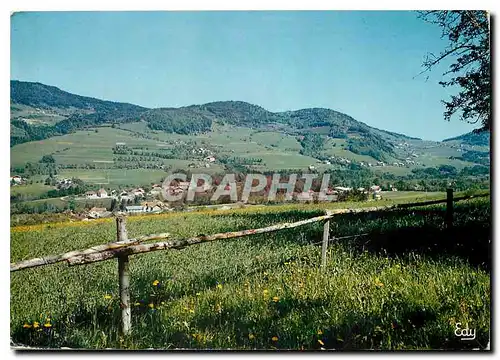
93	147
263	292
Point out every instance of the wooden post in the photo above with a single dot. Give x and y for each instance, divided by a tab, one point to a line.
123	277
324	246
449	208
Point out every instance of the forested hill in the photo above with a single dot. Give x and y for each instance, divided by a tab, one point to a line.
40	111
471	138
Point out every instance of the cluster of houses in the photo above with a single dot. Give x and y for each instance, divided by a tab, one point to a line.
124	194
378	163
152	207
63	184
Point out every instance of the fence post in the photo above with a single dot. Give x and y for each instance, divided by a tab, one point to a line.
123	277
324	246
449	208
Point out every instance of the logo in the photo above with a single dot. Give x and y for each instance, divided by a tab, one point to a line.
466	333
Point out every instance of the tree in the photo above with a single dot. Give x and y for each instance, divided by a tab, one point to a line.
468	33
48	159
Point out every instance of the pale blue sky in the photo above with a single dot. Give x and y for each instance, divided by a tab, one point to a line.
360	63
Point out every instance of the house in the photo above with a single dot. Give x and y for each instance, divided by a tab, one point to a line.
139	192
16	180
155	191
134	209
342	189
210	159
154	206
311	167
375	189
102	193
91	195
97	212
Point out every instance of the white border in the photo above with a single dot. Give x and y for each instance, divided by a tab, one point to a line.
9	6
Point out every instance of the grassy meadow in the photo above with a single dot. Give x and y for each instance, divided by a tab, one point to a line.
404	286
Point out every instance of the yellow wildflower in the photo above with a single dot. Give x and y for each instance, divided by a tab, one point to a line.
276	299
378	282
27	326
163	302
251	336
107	297
137	304
191	311
47	325
151	306
321	342
320	332
198	294
155	283
274	338
265	291
36	324
219	286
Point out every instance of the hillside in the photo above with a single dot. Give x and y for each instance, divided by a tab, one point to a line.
471	138
82	134
40	111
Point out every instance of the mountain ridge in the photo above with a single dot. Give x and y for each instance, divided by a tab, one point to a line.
84	110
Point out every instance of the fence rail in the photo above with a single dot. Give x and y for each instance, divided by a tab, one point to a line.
123	247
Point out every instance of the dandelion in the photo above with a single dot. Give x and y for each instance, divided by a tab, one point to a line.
27	326
36	324
274	338
219	286
276	299
251	336
321	343
320	332
107	297
151	306
156	283
265	292
47	325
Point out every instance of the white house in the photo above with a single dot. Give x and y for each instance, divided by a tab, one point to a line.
102	193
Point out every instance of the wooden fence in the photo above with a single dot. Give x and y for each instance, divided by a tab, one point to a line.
123	247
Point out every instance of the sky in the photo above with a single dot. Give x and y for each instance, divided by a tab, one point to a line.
364	64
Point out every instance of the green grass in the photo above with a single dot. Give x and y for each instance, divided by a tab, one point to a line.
241	293
30	190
